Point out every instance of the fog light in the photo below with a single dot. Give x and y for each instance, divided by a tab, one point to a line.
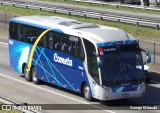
108	89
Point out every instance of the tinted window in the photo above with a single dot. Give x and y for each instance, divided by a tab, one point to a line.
44	41
68	44
51	41
31	34
57	37
54	40
72	45
22	33
41	42
13	30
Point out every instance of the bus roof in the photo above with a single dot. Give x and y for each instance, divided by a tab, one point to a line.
98	33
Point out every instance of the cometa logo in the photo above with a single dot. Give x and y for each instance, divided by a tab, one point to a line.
61	60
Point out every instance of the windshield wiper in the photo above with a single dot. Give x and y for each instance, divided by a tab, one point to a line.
121	66
117	75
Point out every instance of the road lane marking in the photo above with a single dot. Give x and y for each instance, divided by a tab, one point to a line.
4	43
38	87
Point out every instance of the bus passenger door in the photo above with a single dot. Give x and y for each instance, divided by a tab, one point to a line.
92	66
95	74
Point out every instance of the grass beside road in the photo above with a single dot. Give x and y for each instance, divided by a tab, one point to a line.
138	32
105	6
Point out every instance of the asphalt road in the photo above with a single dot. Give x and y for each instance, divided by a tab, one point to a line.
14	87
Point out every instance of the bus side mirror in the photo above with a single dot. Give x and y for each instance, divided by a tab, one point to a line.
148	57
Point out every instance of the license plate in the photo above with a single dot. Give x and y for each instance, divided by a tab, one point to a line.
125	95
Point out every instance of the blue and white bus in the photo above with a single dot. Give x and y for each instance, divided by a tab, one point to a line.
98	61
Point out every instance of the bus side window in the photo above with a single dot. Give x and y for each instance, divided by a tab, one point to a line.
54	40
50	40
65	44
80	50
91	60
31	35
13	30
71	48
19	32
75	47
44	40
22	35
57	41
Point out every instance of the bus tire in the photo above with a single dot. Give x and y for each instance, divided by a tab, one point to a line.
35	76
27	74
86	92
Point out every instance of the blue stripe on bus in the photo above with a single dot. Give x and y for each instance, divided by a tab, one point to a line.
41	65
50	67
57	70
114	43
111	43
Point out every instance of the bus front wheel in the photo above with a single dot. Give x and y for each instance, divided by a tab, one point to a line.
35	76
27	74
86	92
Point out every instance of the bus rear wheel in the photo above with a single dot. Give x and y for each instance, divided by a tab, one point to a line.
35	76
27	74
86	93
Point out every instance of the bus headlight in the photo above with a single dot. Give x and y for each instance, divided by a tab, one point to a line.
108	89
140	86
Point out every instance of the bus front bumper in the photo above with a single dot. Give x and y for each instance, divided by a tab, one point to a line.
104	94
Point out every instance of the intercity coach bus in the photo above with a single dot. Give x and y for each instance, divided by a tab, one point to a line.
98	61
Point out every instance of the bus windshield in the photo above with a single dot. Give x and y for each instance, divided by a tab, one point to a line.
121	64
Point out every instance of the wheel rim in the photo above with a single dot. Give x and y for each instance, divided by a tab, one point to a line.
34	74
86	92
26	72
